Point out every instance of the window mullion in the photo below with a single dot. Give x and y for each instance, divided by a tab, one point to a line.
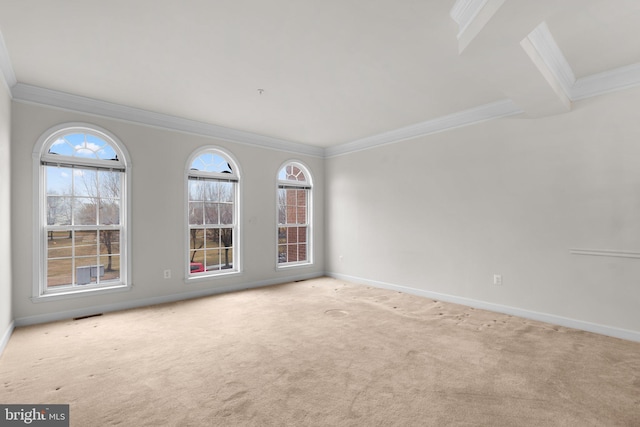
214	175
293	200
92	155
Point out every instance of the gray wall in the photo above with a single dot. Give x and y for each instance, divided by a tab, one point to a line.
439	214
158	241
6	316
444	213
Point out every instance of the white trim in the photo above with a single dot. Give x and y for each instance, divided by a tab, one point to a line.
302	165
549	75
6	336
6	69
90	128
464	12
146	302
33	94
557	65
37	220
472	16
238	242
293	265
607	81
91	290
540	38
625	334
310	226
36	95
39	293
605	253
471	116
550	53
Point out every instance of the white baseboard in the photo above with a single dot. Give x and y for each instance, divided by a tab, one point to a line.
498	308
87	311
5	337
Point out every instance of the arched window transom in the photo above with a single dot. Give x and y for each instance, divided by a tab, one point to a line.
294	215
212	214
83	204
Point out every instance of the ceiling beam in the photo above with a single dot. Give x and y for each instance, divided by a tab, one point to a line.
545	54
471	17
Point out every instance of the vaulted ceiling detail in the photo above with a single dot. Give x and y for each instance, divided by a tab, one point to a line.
548	57
337	76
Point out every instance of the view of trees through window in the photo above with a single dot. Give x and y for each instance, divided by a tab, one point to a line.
212	186
83	218
83	210
211	219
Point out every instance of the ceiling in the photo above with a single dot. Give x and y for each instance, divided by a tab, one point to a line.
323	73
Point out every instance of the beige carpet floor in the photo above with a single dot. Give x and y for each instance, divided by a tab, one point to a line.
322	353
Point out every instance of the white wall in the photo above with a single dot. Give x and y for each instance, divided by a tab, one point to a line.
438	214
158	158
6	316
443	213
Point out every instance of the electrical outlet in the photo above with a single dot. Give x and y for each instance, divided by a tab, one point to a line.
497	279
167	274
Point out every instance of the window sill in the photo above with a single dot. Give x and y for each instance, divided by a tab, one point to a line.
293	265
209	277
78	293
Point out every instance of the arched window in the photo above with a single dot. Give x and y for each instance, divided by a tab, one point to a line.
294	215
82	201
212	213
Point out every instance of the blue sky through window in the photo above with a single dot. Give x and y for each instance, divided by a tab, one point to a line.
83	145
76	145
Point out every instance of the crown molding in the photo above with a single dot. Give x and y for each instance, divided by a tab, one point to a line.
33	94
464	12
549	51
607	81
585	87
6	69
472	16
471	116
38	95
605	253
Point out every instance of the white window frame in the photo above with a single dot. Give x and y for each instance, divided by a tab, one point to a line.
237	230
40	155
308	185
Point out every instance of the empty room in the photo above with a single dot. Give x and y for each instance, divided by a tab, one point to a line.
355	213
